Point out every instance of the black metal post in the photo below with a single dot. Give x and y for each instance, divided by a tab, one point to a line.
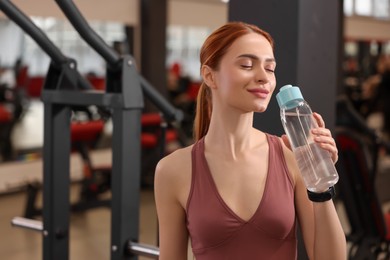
126	161
56	152
125	180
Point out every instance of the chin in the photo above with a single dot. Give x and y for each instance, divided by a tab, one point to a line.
260	109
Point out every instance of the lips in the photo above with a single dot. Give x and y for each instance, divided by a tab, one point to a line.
259	92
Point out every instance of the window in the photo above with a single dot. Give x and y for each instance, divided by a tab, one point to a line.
363	7
373	8
67	39
381	8
183	45
348	7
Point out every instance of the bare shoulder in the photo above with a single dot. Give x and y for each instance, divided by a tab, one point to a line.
286	150
176	162
173	175
290	161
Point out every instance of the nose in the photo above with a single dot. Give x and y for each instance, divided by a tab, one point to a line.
262	76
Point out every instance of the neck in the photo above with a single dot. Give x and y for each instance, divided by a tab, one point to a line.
231	132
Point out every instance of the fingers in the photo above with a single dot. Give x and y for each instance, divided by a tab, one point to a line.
321	131
327	143
319	119
324	138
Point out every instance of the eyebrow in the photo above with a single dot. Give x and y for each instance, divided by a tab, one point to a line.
254	57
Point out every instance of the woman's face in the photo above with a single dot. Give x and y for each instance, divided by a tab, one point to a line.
245	78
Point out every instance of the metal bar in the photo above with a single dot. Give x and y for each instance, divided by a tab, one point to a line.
134	248
28	26
97	43
32	224
112	58
69	97
170	112
86	32
31	29
144	250
125	180
30	209
56	182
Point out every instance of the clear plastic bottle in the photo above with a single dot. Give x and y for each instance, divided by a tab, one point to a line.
316	165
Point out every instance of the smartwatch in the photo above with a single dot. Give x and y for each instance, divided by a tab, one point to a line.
322	196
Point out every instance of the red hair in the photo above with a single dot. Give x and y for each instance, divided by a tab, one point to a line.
211	53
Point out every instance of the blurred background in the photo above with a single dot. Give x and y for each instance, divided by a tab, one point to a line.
167	54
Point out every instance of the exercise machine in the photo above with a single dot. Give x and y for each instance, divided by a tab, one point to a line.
358	148
64	88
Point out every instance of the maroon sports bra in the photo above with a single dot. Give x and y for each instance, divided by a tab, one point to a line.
218	233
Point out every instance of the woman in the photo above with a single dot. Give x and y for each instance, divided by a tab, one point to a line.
237	192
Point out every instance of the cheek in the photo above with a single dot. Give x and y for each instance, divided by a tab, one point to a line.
231	80
227	81
273	85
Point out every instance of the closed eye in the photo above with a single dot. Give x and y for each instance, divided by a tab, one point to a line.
270	68
246	66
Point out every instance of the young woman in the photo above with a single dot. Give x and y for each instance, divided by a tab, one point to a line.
237	192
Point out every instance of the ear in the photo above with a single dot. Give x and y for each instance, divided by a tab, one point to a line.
208	76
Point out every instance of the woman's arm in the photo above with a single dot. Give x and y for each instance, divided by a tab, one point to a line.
322	232
173	236
321	228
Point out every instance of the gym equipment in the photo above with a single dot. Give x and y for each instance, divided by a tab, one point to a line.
63	88
358	154
6	125
11	111
96	179
133	247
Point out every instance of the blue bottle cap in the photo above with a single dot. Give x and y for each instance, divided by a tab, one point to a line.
287	94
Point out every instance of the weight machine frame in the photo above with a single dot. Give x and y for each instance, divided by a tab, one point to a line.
63	88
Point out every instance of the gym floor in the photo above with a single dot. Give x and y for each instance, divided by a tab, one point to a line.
90	230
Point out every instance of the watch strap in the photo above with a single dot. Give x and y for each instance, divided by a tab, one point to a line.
322	196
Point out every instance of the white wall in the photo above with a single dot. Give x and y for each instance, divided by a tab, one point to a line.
185	13
201	14
364	28
126	11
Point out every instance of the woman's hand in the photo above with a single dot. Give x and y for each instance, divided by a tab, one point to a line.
322	136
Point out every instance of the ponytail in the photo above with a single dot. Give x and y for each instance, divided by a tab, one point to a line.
203	112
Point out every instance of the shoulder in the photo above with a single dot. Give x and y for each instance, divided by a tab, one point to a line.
290	160
174	163
171	189
173	174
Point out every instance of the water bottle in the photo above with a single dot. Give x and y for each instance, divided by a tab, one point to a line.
315	163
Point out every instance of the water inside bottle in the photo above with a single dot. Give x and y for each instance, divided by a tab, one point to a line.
315	163
317	169
297	126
